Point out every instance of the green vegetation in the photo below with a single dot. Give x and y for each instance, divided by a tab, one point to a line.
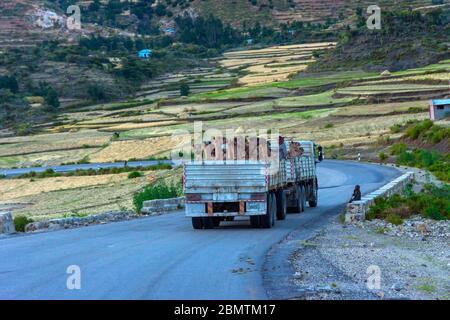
424	132
159	190
184	90
427	131
134	175
383	157
433	203
20	222
407	39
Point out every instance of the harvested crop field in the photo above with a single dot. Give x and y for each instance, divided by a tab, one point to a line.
135	149
273	64
77	195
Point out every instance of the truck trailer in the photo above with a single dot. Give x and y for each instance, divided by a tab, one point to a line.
219	191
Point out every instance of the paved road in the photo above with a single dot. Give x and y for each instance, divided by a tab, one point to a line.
73	167
163	257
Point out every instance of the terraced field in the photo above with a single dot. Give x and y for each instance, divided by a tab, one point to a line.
255	89
272	64
221	96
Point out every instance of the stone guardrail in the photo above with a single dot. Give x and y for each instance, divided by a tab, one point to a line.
156	207
356	211
75	222
6	223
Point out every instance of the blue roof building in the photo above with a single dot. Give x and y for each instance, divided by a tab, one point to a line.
439	109
169	31
145	54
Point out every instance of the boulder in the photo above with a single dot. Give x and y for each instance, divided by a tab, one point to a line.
6	223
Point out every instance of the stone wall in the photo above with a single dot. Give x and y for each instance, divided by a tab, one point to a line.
74	222
6	223
356	211
156	207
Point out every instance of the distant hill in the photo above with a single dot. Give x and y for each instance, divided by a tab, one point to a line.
406	40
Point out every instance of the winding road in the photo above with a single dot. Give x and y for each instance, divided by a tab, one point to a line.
163	257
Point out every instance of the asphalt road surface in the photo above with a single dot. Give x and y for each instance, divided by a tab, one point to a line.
163	257
9	173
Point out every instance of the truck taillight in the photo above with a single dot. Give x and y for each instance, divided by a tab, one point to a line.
258	197
193	197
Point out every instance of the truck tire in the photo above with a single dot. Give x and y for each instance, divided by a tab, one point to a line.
255	222
314	195
298	200
216	221
268	220
281	205
197	223
208	223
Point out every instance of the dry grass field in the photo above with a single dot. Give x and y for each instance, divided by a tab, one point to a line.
139	149
66	196
273	64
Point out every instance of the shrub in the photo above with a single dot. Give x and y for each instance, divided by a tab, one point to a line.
20	222
383	157
134	175
394	219
159	190
398	148
396	128
433	203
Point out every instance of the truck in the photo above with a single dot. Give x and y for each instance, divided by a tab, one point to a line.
217	191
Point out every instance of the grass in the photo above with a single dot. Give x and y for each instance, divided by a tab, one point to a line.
427	288
324	98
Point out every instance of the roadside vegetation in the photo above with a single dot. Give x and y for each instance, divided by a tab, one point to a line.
159	190
432	203
133	172
426	134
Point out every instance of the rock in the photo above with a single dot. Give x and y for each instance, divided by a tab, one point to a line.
397	287
422	228
6	223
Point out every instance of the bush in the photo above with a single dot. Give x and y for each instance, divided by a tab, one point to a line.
20	222
159	190
383	157
432	203
398	148
396	128
134	175
394	219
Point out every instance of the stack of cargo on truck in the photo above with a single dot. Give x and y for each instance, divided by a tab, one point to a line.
263	190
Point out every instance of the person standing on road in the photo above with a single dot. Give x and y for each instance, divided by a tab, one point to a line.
356	194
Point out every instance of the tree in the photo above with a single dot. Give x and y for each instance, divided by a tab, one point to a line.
95	6
51	99
96	92
9	82
184	89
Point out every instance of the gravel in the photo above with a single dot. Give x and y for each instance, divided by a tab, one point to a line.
414	262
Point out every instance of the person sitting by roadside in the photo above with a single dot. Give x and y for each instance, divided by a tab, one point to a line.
356	194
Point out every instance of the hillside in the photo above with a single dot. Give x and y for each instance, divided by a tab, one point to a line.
407	39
